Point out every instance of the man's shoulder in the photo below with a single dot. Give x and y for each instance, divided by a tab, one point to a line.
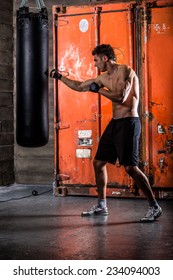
127	70
123	67
102	77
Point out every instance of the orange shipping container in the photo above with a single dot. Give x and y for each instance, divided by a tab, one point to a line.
142	36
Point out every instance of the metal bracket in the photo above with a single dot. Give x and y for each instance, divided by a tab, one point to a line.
147	115
61	9
145	163
62	126
60	191
161	164
62	177
98	9
61	22
97	115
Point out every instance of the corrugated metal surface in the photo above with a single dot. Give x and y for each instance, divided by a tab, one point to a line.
160	67
142	36
78	112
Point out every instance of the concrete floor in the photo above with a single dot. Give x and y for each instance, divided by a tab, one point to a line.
45	227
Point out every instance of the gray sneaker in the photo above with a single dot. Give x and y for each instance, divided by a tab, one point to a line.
95	210
152	214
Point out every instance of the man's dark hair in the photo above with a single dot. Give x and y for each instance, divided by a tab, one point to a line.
104	49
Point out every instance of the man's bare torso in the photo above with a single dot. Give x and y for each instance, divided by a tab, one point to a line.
115	82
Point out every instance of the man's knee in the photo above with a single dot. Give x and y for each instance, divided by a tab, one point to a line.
98	164
131	170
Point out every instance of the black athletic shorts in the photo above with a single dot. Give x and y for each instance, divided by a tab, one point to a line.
120	140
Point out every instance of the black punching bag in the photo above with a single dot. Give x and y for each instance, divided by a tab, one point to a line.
32	121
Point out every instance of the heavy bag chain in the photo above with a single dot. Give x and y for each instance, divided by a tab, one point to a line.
40	4
23	13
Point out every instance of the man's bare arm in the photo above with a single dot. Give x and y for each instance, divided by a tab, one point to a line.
110	95
130	74
73	84
77	85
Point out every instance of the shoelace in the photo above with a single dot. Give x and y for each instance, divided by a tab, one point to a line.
150	212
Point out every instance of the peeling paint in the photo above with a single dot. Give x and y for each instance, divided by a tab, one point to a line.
90	72
72	53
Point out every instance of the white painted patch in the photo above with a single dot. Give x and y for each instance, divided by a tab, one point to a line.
90	71
83	153
161	129
84	133
83	25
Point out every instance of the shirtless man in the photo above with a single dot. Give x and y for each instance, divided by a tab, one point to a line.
120	139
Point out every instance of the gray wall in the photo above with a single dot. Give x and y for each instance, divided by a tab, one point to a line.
6	94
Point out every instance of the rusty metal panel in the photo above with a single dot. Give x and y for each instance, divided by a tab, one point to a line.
160	49
78	111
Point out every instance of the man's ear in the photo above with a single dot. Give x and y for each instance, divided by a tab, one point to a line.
105	58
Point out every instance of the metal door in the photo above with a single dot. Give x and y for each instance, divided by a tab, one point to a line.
77	112
160	86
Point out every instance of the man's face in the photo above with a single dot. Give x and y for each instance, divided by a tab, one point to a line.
100	62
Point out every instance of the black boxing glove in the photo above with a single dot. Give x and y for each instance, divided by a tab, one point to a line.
55	74
94	87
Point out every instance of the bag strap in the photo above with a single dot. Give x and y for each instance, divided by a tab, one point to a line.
40	4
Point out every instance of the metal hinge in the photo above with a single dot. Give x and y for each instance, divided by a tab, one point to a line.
62	126
147	115
97	115
145	163
62	177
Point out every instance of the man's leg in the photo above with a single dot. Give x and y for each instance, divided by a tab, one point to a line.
101	182
100	177
142	182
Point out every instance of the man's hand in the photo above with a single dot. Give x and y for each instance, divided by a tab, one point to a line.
55	74
94	87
